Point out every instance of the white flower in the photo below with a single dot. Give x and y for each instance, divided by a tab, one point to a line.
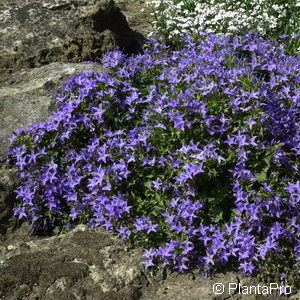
229	15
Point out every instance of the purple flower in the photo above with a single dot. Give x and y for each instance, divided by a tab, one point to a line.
143	223
149	255
20	212
181	263
247	267
168	140
97	179
123	231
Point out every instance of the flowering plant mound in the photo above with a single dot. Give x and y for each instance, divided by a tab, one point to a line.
193	154
172	18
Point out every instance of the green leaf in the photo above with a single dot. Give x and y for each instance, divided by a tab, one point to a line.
57	230
267	161
218	217
211	199
148	184
262	176
150	176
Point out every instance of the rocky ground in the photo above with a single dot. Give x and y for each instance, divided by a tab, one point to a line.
94	264
41	45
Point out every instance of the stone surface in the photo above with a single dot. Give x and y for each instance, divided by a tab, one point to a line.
137	14
95	264
40	45
35	33
8	181
84	264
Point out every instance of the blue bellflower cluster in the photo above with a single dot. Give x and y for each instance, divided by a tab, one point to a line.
194	151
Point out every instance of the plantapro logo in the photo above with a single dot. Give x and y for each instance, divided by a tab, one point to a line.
237	288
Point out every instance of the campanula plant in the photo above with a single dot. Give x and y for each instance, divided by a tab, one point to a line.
192	154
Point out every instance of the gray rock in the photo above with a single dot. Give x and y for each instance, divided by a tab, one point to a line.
56	34
35	33
29	95
137	14
8	181
95	264
83	264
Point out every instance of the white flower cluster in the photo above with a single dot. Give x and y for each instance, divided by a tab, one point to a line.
227	16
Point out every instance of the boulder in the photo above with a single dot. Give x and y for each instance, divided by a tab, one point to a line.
83	264
34	33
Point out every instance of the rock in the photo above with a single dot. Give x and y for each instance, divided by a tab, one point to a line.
36	58
296	296
95	264
137	14
83	264
61	32
29	95
34	33
8	181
